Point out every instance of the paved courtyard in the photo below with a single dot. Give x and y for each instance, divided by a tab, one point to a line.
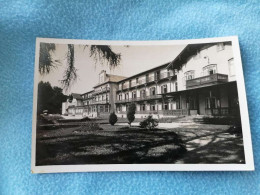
208	144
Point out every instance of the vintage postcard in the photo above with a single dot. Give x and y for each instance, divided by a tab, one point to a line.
140	106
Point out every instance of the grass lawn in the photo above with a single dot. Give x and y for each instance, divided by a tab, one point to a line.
113	145
186	143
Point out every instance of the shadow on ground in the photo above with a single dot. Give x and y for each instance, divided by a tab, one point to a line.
188	144
217	148
117	145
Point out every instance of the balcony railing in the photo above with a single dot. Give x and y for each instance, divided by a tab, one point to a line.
100	101
207	80
177	112
222	111
101	90
145	80
139	99
164	75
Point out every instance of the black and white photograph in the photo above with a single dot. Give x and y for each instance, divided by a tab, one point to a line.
140	106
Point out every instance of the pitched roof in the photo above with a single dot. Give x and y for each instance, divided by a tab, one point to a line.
76	96
188	52
115	78
87	92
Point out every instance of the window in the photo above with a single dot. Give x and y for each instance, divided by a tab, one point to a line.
220	46
165	106
137	80
209	69
152	91
134	94
119	108
101	108
231	67
164	89
126	96
142	107
176	86
189	75
152	107
157	75
142	93
106	108
120	97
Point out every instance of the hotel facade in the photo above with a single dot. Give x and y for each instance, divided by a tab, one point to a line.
201	80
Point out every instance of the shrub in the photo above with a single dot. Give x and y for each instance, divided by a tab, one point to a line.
89	126
149	123
112	118
235	130
131	113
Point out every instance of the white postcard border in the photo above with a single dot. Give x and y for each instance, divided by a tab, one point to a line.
249	161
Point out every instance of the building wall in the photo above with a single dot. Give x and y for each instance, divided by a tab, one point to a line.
218	55
112	96
64	107
205	57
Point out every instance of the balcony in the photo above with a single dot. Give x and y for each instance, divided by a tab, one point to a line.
100	101
145	80
143	98
133	84
151	79
164	75
125	85
101	91
141	81
206	81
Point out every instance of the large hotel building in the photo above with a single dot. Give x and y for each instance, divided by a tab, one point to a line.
201	80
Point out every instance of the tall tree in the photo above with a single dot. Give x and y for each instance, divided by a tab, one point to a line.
99	52
49	98
131	113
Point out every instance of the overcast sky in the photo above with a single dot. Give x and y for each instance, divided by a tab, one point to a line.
134	59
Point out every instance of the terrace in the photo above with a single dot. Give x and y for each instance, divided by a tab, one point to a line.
212	79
